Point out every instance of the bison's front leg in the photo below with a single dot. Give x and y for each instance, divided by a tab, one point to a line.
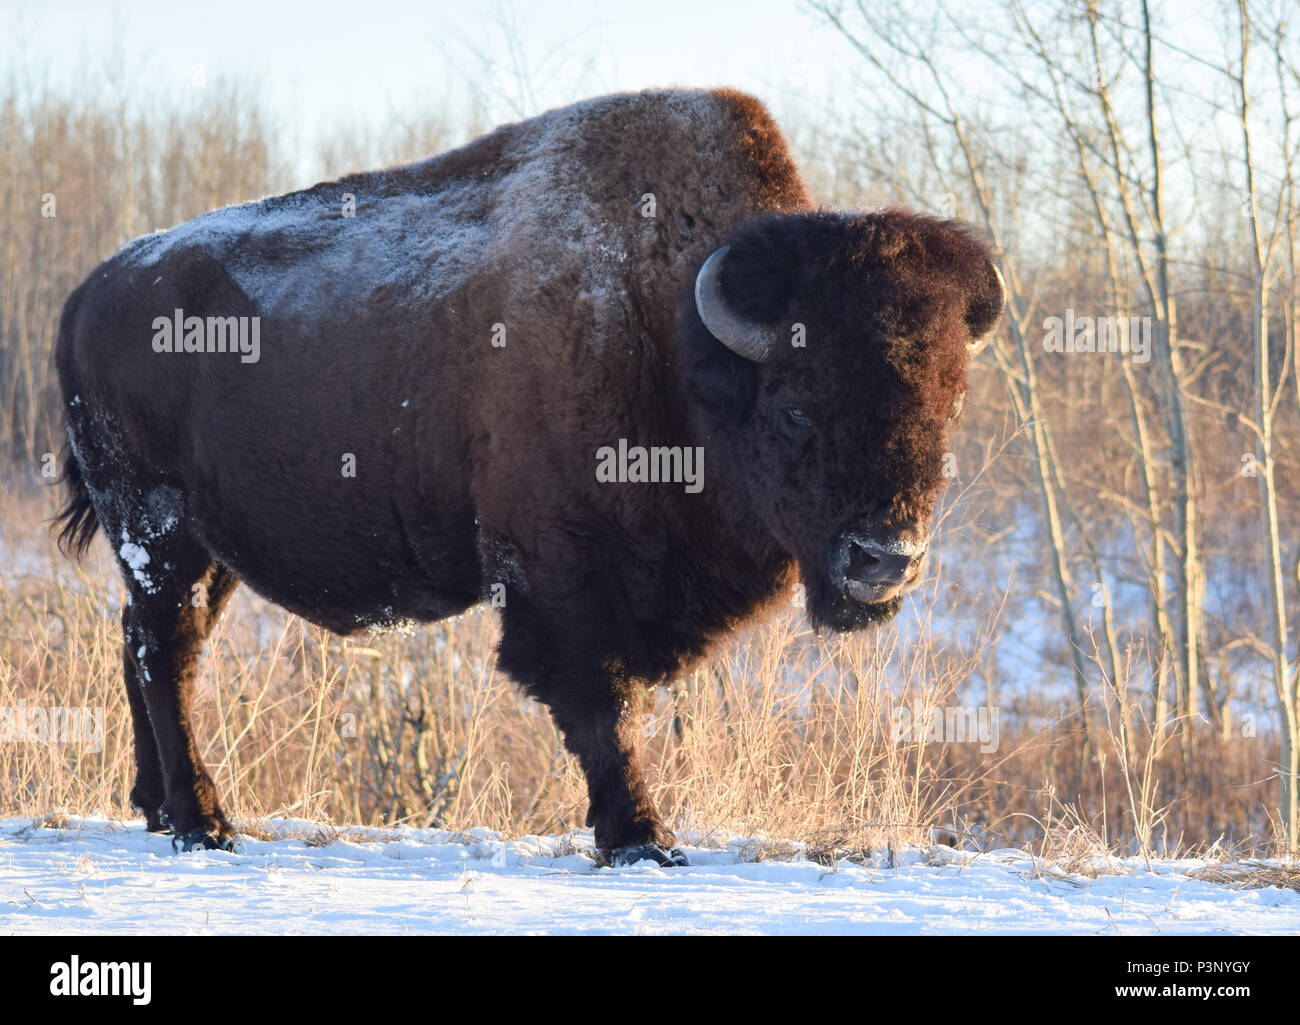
561	645
596	717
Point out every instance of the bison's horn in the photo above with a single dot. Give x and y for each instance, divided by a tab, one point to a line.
977	344
753	341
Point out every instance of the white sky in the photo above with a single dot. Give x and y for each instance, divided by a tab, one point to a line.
316	62
316	65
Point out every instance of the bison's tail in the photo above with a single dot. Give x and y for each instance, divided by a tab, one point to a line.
77	517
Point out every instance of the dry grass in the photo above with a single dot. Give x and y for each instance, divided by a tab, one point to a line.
1252	875
785	741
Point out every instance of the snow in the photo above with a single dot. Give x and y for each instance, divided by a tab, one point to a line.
136	558
96	875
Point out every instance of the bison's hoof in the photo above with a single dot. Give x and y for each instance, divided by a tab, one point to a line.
198	841
154	819
665	857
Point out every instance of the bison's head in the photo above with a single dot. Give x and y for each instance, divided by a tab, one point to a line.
825	356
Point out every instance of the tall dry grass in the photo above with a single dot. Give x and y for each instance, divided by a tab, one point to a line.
783	737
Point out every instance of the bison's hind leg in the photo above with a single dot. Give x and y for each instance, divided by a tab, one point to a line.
176	592
148	792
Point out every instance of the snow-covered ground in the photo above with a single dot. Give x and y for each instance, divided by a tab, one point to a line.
100	876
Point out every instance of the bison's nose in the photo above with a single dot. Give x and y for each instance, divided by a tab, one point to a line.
872	562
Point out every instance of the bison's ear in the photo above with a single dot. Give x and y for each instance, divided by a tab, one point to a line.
984	308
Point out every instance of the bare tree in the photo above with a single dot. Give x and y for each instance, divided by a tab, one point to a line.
1261	253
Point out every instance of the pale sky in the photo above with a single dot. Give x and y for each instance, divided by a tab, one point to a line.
327	60
315	66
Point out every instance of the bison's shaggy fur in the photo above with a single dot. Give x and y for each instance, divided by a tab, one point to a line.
486	322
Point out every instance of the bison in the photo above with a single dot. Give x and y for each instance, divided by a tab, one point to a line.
396	395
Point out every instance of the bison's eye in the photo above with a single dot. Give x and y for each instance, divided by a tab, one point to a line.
797	416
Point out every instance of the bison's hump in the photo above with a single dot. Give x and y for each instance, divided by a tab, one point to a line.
553	204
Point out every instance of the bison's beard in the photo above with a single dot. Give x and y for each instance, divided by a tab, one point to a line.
829	608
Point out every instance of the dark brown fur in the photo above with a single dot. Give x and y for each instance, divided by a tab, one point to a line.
222	471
